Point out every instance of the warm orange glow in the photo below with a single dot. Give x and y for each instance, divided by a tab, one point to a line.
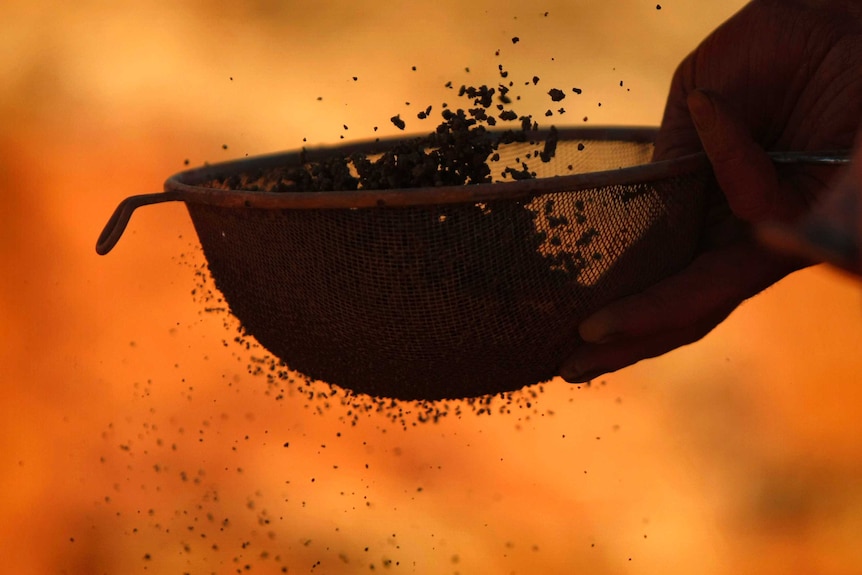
132	440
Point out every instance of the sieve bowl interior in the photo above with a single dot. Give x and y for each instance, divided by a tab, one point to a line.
449	292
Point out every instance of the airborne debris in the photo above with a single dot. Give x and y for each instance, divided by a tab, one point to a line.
556	94
399	123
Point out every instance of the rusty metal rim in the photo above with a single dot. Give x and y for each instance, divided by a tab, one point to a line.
188	183
186	186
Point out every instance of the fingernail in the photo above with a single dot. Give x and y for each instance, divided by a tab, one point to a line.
580	371
701	109
581	377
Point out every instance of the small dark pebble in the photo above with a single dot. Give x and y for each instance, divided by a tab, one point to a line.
515	40
535	80
556	94
577	90
399	123
658	6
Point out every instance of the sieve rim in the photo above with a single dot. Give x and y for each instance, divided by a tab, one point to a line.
187	185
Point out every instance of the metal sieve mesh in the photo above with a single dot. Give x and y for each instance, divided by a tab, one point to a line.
449	292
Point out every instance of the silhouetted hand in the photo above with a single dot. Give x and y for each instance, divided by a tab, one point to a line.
778	75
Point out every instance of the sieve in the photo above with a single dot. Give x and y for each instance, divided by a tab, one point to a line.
441	292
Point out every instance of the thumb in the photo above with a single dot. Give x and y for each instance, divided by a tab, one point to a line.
742	168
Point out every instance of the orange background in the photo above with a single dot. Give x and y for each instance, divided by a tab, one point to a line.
133	440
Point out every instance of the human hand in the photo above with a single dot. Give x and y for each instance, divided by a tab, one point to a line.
832	232
779	75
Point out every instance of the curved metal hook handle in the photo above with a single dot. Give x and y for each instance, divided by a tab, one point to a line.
819	157
120	218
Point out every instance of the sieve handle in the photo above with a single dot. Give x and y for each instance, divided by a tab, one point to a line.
120	218
819	157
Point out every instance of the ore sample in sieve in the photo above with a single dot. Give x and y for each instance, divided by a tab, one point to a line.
448	254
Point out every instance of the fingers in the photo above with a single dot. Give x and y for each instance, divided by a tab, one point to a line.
831	233
594	360
674	312
744	171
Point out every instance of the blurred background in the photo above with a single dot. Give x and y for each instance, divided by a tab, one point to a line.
133	439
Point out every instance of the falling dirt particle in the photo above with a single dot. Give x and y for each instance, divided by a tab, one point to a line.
585	118
535	80
320	98
355	78
345	126
515	40
186	162
577	90
546	14
413	68
224	146
658	6
399	123
556	94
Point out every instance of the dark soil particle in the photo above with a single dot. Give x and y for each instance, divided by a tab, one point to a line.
556	94
399	123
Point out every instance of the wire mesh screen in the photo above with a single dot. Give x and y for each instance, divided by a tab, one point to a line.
451	300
